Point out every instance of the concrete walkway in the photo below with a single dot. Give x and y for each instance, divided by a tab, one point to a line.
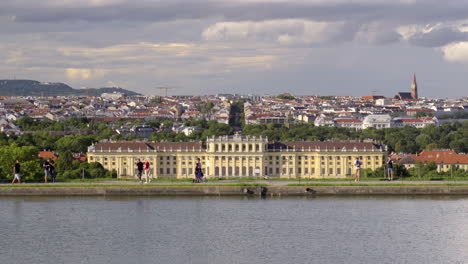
265	182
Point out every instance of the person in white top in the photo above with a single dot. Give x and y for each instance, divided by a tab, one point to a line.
357	168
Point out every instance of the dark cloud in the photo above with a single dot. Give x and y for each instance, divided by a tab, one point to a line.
438	37
419	11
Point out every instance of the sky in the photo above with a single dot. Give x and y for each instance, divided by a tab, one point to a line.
302	47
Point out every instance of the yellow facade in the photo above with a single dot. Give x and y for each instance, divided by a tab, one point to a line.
239	156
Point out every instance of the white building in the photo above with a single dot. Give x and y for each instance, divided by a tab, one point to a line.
377	121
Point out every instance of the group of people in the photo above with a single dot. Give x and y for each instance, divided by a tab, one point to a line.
358	164
48	167
143	167
49	170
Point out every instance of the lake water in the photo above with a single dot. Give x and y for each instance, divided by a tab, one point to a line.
234	230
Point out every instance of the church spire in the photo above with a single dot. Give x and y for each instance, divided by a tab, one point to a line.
414	88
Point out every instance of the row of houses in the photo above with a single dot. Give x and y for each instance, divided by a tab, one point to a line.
375	121
444	159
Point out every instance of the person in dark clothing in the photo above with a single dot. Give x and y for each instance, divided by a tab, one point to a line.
139	165
52	171
390	169
16	172
198	171
45	167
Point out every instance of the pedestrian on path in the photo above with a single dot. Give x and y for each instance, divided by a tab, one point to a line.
52	171
146	167
139	165
16	172
357	168
390	169
198	171
45	167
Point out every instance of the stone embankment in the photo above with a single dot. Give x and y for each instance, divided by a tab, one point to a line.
203	190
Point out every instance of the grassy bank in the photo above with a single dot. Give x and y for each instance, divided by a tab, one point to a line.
127	185
375	184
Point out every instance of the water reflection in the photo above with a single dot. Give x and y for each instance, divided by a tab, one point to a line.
376	229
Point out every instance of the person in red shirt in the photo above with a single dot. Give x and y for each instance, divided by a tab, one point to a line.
146	167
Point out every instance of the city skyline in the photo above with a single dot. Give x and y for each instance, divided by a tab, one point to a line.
310	47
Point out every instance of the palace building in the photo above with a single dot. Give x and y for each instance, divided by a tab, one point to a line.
239	156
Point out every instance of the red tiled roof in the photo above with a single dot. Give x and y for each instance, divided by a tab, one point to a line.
435	153
448	159
348	120
414	120
47	155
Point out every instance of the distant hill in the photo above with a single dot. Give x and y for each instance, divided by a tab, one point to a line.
35	88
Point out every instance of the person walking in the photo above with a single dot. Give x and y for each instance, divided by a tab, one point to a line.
390	169
146	167
198	171
139	165
357	168
16	172
45	167
52	171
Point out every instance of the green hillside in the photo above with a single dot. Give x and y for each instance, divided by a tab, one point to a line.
35	88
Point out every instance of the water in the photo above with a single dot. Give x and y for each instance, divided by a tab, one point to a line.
234	230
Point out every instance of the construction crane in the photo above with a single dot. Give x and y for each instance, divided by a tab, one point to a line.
165	88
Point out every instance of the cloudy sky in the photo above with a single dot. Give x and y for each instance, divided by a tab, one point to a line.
326	47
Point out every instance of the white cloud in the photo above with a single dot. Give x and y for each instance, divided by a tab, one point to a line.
456	52
84	74
283	31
